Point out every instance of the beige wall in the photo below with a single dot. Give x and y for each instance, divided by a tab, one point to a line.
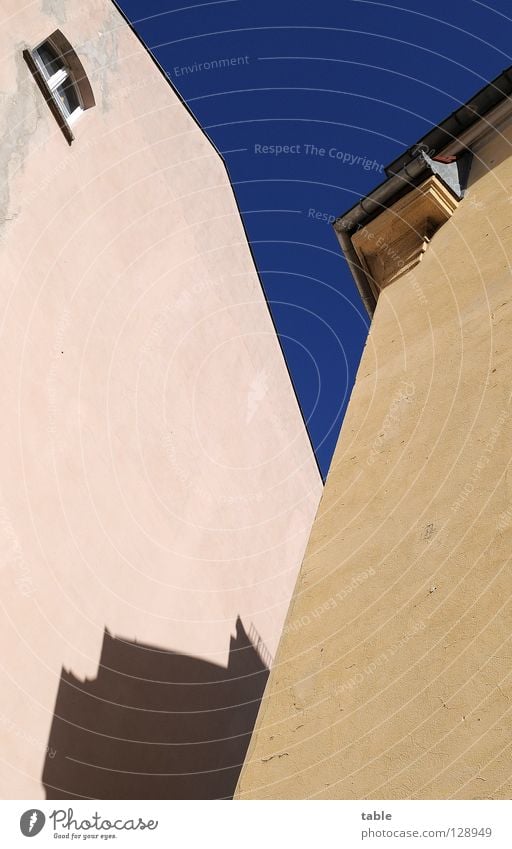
393	677
155	474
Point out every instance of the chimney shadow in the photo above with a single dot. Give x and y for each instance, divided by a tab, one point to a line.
155	724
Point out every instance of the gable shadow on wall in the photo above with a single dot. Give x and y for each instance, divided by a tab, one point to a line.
155	724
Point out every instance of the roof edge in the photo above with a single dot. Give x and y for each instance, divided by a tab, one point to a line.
445	151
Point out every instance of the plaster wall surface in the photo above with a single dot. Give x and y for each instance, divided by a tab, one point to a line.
393	677
156	478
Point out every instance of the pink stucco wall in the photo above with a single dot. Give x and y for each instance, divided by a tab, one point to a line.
155	474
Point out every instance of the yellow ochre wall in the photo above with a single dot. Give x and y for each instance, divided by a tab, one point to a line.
393	675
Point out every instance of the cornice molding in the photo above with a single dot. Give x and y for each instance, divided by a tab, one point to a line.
395	241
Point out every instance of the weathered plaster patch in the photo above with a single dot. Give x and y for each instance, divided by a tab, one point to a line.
55	9
20	113
102	57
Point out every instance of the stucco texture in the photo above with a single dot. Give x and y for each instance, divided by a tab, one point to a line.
392	679
156	479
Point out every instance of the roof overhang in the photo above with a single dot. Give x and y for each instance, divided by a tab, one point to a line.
435	169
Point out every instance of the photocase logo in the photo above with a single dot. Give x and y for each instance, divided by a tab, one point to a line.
32	822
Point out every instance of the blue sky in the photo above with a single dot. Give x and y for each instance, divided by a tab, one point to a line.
342	87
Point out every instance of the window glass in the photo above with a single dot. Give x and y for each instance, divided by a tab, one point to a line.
67	97
49	59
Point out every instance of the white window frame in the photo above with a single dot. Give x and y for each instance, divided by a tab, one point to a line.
53	81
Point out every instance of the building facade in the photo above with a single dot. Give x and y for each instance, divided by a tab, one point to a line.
157	485
392	678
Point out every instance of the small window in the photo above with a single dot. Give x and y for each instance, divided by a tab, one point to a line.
59	80
61	77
